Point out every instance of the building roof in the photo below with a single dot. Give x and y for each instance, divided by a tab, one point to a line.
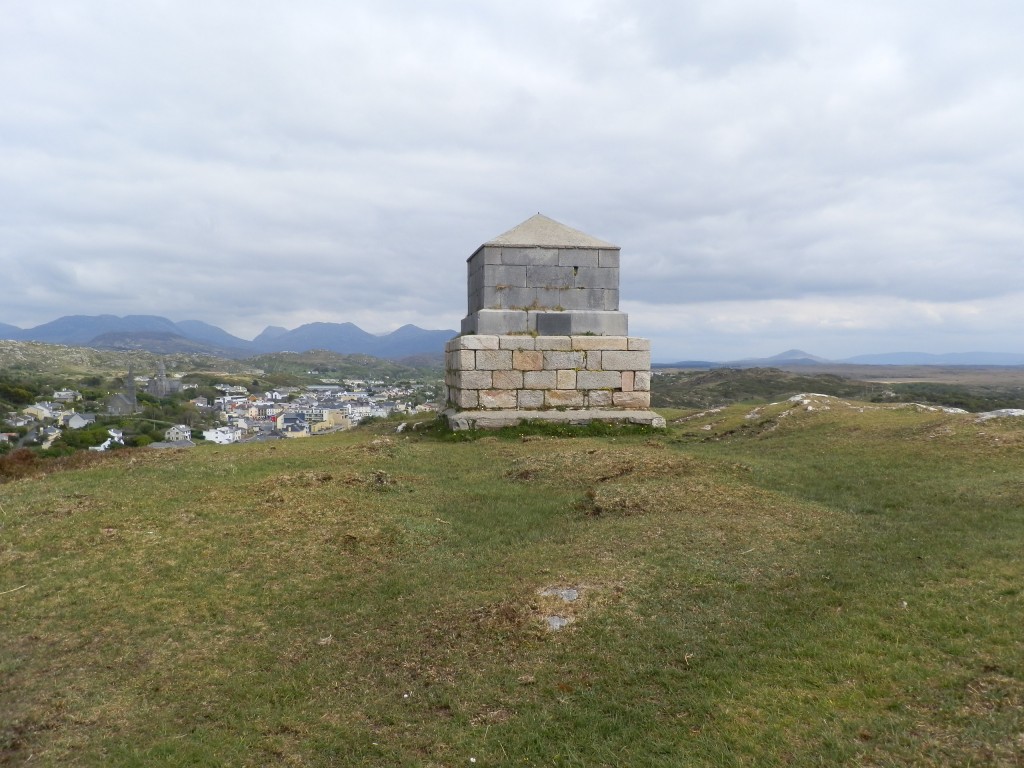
540	231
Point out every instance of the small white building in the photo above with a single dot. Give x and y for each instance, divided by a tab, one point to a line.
222	435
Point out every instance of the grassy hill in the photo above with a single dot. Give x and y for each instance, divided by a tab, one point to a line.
809	583
704	389
973	389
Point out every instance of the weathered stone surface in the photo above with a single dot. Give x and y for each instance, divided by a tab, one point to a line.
631	399
598	379
577	257
626	361
530	256
565	379
507	297
540	379
593	360
508	380
507	276
496	322
551	300
608	258
495	360
531	398
599	398
555	343
466	398
600	342
550	277
498	398
627	381
636	343
527	360
596	277
461	359
554	360
516	342
563	398
473	379
474	342
642	381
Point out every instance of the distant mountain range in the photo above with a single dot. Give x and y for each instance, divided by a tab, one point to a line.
797	357
163	336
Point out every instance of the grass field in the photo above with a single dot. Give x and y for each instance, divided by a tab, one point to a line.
806	583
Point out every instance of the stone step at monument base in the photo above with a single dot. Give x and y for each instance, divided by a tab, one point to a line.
497	419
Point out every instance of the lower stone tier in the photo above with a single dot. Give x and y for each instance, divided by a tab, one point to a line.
523	372
463	420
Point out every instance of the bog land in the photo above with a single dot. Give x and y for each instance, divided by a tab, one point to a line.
820	581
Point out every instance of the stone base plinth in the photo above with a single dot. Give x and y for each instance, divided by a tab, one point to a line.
527	375
460	420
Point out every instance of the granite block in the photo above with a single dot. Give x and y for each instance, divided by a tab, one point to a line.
531	398
498	398
507	380
495	360
557	343
596	277
529	256
625	361
516	342
600	342
631	399
563	398
598	380
577	257
527	360
549	277
473	380
474	342
466	398
540	379
555	360
507	276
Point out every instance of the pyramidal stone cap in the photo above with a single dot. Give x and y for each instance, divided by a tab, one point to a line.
544	277
541	232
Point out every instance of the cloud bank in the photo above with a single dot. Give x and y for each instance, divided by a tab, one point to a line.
844	178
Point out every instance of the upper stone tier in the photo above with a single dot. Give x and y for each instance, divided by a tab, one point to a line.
544	277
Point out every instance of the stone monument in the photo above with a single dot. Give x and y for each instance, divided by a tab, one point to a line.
544	339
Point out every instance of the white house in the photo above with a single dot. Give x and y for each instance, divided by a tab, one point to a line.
222	435
178	433
75	420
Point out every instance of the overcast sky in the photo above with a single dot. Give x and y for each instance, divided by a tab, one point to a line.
843	177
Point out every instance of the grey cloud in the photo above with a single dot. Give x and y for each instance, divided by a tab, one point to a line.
343	159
